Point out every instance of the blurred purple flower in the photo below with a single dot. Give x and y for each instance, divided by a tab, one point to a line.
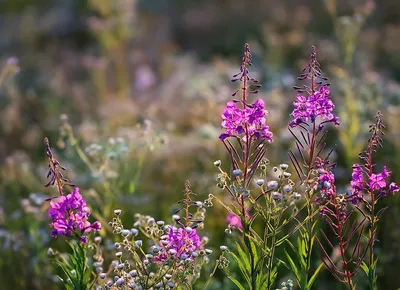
393	187
316	105
235	121
69	216
234	220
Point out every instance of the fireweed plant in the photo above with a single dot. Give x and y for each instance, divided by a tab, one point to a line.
313	110
263	212
246	138
69	217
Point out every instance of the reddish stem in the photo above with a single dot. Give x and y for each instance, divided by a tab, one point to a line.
342	247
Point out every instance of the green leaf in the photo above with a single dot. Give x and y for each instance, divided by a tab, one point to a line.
236	282
244	259
68	274
314	276
243	267
293	266
365	268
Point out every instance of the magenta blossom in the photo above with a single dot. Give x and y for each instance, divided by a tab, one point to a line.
234	220
315	105
69	216
251	120
177	243
377	181
357	178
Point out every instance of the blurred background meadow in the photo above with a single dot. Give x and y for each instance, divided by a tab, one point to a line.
130	93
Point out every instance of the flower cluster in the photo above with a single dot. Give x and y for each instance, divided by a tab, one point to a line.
315	105
326	181
179	242
249	121
69	215
376	182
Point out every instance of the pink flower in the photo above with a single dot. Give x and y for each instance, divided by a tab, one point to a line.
234	221
315	105
235	121
377	181
180	242
69	215
357	178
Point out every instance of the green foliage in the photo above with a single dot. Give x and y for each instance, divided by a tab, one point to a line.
78	274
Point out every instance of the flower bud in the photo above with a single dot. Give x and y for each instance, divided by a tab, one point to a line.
276	195
125	233
223	248
260	182
286	174
120	281
217	163
296	195
273	184
208	251
117	212
284	166
287	188
237	171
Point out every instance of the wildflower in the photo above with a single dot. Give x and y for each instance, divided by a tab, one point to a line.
315	105
237	171
377	181
234	221
179	242
260	182
276	195
393	187
357	178
325	183
248	121
69	216
273	184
